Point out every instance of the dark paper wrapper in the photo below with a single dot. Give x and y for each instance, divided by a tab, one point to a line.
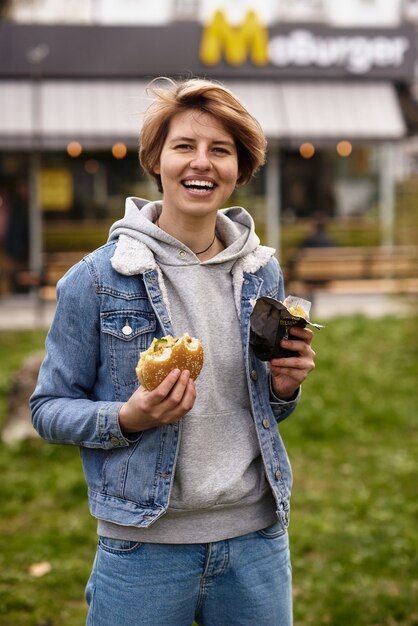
269	323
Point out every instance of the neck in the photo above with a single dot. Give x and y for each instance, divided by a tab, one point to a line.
201	243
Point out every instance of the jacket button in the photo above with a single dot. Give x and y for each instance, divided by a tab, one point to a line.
277	474
127	330
254	374
266	423
114	440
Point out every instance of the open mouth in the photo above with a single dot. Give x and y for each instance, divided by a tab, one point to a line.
198	185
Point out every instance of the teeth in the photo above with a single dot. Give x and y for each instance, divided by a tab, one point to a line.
199	183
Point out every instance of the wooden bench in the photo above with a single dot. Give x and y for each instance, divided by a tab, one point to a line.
55	264
391	269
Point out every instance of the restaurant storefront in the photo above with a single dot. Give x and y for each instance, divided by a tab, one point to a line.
71	99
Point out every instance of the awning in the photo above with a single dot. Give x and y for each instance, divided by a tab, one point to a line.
98	113
304	111
95	113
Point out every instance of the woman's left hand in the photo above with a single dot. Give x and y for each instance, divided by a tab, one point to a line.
287	374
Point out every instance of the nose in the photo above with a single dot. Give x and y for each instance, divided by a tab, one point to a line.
201	160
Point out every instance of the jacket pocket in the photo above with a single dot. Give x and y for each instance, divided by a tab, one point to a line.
127	334
132	473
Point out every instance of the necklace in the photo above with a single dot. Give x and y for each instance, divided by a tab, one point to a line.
196	253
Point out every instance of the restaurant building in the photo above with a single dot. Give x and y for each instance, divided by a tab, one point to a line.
335	103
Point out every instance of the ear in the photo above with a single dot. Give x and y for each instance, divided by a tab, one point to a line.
157	169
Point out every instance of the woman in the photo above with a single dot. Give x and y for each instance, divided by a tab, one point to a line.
190	482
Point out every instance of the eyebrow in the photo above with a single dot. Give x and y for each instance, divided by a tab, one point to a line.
224	142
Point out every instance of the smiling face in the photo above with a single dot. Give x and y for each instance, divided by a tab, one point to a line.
198	165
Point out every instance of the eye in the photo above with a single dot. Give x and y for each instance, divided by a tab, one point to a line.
221	150
182	146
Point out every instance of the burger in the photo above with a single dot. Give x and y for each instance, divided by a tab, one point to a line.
166	354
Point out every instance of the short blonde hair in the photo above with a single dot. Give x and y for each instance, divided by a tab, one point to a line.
173	97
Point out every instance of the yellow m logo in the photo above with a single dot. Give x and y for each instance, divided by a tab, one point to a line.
250	39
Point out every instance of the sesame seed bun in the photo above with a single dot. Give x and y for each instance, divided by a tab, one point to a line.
166	354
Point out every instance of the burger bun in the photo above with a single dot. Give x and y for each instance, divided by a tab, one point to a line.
166	354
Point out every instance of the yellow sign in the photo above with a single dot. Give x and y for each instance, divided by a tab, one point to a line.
237	43
56	189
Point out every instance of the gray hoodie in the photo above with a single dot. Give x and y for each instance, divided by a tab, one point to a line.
220	489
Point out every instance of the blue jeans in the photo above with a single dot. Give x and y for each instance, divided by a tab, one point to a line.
245	581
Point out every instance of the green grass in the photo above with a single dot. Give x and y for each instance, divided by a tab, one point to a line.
354	450
354	447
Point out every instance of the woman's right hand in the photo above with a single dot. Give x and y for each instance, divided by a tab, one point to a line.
166	404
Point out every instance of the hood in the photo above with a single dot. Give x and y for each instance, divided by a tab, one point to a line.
234	226
141	245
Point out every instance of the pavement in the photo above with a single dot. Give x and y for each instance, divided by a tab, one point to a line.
328	305
26	312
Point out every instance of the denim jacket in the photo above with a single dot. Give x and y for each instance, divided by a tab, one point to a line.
109	307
